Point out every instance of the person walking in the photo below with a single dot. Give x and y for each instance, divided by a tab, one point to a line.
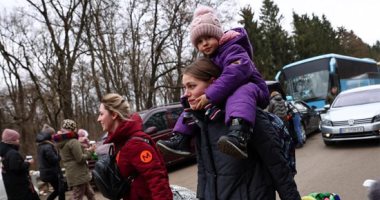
15	170
74	159
48	160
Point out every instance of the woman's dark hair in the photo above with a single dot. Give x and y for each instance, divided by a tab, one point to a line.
203	69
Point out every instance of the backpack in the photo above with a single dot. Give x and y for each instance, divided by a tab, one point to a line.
107	177
287	144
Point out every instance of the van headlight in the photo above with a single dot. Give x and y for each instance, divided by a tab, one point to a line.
326	123
376	118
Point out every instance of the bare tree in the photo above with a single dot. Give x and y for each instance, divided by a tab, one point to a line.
65	30
72	52
20	104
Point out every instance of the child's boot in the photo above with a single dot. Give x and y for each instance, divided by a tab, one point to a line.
177	144
235	142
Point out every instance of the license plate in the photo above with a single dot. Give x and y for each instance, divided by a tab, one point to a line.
352	129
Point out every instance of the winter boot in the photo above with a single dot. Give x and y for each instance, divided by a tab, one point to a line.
177	144
235	142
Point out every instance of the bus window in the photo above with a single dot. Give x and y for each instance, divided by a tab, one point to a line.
308	86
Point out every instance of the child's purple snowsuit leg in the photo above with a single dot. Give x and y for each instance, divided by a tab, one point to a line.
183	127
243	102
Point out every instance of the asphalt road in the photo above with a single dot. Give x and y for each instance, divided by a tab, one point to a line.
341	168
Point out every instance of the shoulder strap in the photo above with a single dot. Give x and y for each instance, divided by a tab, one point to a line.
139	138
113	150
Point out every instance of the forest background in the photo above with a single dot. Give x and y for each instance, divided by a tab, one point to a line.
59	57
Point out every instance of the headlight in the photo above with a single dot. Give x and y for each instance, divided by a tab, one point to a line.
376	118
326	123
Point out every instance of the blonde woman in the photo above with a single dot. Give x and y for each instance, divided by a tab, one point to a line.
137	152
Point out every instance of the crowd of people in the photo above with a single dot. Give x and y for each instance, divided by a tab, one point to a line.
224	101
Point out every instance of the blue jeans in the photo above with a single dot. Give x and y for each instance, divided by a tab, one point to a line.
297	127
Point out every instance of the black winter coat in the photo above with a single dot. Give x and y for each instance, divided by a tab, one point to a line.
15	173
48	158
223	177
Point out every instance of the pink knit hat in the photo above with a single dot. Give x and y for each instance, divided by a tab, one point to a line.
82	133
10	136
205	23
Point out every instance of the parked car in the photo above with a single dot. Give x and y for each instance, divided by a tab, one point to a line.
159	122
354	115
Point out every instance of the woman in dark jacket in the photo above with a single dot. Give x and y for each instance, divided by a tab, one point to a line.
223	177
48	159
138	155
15	170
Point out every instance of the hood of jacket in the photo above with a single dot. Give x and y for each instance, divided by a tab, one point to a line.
42	137
125	130
242	40
4	148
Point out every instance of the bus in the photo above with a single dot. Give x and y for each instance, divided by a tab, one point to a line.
311	79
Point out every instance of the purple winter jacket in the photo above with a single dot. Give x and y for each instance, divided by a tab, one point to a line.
235	75
234	87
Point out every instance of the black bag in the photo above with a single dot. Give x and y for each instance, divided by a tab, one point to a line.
108	179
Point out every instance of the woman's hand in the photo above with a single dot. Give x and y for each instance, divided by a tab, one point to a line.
91	149
202	102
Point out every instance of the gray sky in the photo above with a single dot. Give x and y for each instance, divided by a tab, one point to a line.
361	16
